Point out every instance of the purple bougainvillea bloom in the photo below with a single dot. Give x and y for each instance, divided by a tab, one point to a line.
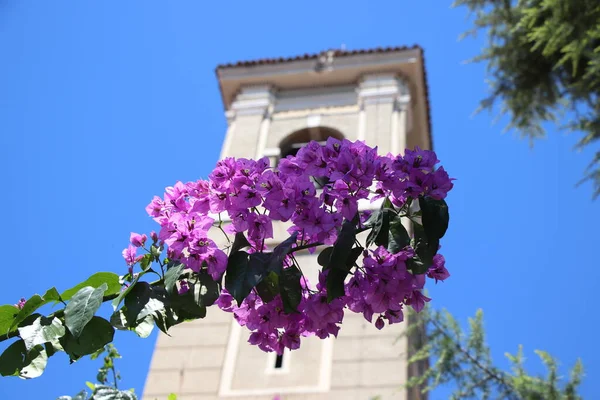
21	303
129	254
245	196
137	240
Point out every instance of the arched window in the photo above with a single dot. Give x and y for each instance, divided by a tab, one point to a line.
295	141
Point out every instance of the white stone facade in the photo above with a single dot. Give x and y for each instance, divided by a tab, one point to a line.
376	98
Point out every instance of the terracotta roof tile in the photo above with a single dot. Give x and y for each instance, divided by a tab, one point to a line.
343	53
306	56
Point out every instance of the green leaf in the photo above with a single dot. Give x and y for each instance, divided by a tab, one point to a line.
183	307
399	237
280	252
239	242
41	331
372	220
324	257
119	321
146	261
338	266
424	249
30	306
155	251
290	289
79	396
95	281
143	300
268	288
82	307
7	316
172	396
95	335
174	270
35	363
17	361
244	272
144	327
51	295
435	217
12	358
336	276
103	392
117	301
208	290
380	222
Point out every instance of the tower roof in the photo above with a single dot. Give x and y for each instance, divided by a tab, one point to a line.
328	68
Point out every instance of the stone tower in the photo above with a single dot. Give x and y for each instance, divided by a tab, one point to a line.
273	107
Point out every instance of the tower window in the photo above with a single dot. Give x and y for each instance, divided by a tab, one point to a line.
278	361
294	142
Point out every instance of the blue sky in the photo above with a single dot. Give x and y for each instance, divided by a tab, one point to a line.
103	104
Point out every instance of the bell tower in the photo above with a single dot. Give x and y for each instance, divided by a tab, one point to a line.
273	107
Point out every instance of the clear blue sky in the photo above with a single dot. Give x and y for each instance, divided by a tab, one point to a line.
104	103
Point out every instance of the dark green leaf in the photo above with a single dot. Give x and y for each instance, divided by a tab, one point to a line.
82	307
239	243
353	256
324	257
372	220
399	237
244	272
336	276
119	321
209	290
51	295
144	327
16	361
7	316
425	250
435	217
290	288
42	330
342	246
12	358
96	334
103	392
30	306
183	307
268	288
146	261
34	363
117	301
110	279
279	253
380	222
174	270
338	266
143	300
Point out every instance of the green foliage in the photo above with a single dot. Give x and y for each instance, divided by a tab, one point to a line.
543	58
181	294
42	330
82	307
95	281
341	261
463	360
105	389
246	271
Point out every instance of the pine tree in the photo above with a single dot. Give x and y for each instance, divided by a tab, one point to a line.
543	60
463	360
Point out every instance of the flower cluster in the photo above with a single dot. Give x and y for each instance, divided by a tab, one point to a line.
251	195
